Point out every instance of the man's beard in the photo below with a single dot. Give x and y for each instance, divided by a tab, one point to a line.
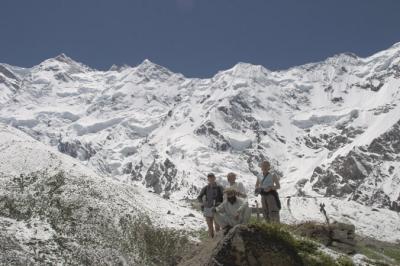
232	200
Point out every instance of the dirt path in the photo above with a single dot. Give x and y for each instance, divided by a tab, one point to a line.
201	253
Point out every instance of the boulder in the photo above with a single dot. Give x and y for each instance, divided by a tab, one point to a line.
251	245
339	236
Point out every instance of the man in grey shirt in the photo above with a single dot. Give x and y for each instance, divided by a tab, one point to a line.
211	196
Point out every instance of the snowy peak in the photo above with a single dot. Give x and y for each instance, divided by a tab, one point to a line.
62	63
64	58
344	59
146	63
61	59
248	70
251	69
242	75
148	66
153	71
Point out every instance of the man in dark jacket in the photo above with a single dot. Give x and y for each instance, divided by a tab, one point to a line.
211	196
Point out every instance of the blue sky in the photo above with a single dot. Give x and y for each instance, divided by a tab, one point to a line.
194	37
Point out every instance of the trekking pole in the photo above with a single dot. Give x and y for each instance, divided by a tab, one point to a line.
257	211
323	211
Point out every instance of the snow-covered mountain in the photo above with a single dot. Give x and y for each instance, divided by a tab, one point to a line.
331	129
54	210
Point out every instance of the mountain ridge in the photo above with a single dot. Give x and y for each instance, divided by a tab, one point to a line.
345	54
162	131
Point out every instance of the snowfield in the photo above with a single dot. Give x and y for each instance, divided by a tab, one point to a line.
330	129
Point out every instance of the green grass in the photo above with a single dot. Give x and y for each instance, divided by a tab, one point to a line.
307	249
200	234
156	245
345	261
392	252
380	256
379	253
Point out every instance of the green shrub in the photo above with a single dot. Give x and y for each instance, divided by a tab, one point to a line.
345	261
156	245
380	256
308	250
392	252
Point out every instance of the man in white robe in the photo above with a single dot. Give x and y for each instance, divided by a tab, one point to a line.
232	211
241	191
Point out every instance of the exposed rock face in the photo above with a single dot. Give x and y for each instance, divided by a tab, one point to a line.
345	175
7	73
249	246
332	141
217	140
383	109
9	83
388	144
160	176
134	171
238	114
354	174
76	149
373	85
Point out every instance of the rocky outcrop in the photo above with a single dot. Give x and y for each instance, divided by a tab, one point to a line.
7	73
76	149
10	80
339	236
217	139
246	246
161	176
238	114
332	141
134	171
388	144
263	244
352	174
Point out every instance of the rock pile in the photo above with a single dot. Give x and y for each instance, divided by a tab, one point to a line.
340	236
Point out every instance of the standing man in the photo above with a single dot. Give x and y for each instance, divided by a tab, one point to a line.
211	196
241	192
267	185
